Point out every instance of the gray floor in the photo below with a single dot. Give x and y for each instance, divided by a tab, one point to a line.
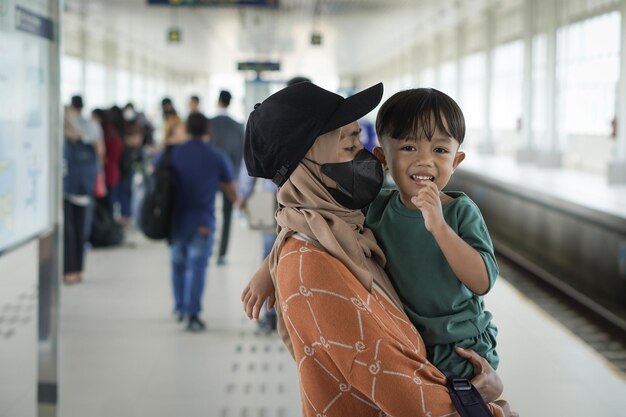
124	355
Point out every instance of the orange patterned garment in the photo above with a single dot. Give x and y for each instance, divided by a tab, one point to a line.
357	354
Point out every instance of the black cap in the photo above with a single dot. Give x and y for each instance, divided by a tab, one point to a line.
282	129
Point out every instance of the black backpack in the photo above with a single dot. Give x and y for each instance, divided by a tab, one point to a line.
104	229
157	207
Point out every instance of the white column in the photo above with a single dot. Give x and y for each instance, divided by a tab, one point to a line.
487	147
132	67
437	45
617	167
551	157
111	60
83	62
460	51
526	151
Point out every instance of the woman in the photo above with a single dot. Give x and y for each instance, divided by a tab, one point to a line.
81	162
356	351
175	132
114	147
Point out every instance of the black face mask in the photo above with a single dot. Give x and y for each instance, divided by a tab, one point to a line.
358	181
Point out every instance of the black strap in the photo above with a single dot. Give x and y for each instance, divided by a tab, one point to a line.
465	396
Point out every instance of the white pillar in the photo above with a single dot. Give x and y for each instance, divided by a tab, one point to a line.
551	157
436	46
111	60
460	51
132	68
526	151
487	147
617	167
83	62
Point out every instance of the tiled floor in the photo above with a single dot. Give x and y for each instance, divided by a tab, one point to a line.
123	355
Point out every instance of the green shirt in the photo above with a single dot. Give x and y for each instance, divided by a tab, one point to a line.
442	309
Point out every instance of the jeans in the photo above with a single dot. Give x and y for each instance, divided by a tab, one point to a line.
124	195
113	198
190	257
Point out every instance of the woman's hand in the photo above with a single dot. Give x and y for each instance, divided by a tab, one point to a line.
486	380
259	289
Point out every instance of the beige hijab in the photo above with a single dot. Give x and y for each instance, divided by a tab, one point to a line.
306	207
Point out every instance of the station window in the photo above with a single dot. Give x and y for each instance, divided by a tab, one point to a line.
473	90
506	93
123	88
588	69
539	85
139	91
95	85
448	78
154	94
427	77
71	78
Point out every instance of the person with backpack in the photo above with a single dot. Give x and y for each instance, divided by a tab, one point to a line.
200	171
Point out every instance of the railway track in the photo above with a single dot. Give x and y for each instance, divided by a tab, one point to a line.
601	334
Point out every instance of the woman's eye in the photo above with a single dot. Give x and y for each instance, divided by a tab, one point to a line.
350	149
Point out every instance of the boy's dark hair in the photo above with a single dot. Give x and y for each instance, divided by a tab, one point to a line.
195	98
165	101
197	125
408	112
225	97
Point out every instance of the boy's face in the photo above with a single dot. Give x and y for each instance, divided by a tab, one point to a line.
416	161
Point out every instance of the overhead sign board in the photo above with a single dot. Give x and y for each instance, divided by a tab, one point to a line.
32	23
234	3
258	66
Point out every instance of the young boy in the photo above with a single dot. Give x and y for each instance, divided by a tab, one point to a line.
439	253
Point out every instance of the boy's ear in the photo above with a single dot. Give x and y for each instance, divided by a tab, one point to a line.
380	154
458	158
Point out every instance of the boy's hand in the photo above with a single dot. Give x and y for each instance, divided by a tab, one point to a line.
429	203
259	289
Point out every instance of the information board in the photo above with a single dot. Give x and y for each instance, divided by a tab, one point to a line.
25	45
234	3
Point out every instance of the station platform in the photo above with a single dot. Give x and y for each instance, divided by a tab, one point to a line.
574	190
123	353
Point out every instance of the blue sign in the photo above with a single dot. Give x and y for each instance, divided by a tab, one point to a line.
32	23
235	3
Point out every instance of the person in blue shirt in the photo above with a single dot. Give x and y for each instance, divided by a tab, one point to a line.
200	171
